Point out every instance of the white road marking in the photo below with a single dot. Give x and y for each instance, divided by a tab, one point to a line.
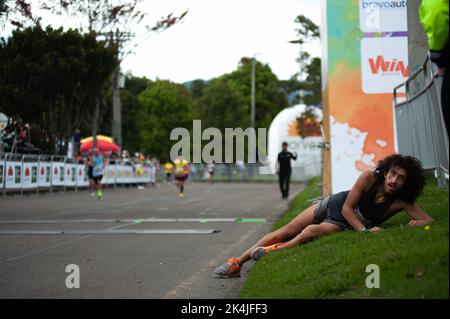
127	220
111	232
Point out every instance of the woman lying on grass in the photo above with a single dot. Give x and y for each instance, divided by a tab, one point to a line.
394	185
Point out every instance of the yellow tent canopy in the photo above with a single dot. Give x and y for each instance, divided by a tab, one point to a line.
99	137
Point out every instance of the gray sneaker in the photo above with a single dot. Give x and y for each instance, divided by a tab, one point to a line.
257	253
230	269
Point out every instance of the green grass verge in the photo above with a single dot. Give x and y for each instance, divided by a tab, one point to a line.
413	262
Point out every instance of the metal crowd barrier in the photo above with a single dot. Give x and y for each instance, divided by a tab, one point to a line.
251	173
419	122
19	173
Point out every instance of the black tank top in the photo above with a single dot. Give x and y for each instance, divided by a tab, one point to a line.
376	213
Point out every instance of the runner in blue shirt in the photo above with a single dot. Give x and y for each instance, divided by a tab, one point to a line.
97	172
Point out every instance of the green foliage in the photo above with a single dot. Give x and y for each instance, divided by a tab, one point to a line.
222	105
270	98
307	30
52	79
164	105
198	86
131	112
223	102
313	83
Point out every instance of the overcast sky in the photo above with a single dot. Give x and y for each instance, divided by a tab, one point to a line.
216	34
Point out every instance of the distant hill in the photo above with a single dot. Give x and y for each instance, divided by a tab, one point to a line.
188	84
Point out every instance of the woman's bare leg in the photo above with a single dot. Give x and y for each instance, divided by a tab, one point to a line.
283	234
309	233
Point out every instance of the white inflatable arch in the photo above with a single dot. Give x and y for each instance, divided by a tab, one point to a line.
284	129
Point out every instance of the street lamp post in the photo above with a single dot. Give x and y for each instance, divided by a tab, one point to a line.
117	106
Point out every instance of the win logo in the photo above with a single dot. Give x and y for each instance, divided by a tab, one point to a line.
388	67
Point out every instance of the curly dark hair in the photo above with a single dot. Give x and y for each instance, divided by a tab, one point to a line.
415	180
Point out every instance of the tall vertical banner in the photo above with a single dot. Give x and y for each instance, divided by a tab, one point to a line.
365	55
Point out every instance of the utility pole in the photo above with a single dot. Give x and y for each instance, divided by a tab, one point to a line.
253	94
118	38
117	108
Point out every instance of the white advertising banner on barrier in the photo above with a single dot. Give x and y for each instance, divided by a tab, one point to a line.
147	172
2	172
113	172
70	174
120	174
58	174
129	174
29	175
13	175
108	174
106	180
45	174
117	173
82	178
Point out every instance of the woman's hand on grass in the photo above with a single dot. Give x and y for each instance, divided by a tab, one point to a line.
416	223
375	229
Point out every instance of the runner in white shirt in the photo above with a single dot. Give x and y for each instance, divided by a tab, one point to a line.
210	169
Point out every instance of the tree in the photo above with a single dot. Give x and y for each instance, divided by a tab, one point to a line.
270	97
222	105
197	88
52	78
291	88
164	105
130	111
313	83
112	22
18	13
308	31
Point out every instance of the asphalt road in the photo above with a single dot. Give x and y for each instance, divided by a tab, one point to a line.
136	243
